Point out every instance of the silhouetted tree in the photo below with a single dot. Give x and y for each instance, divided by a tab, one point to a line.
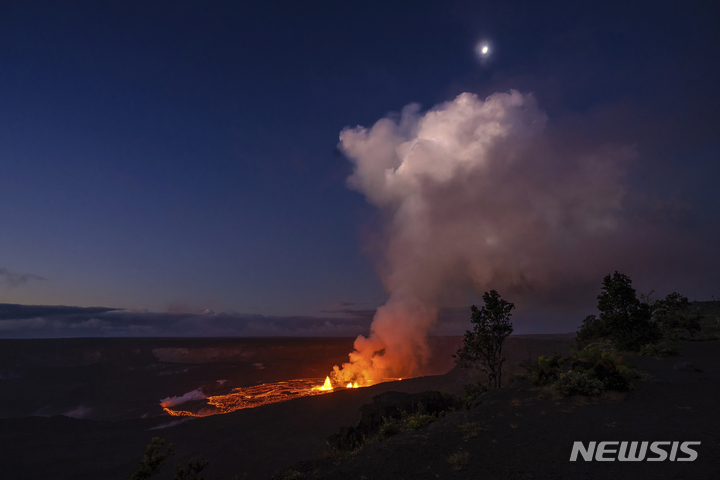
153	459
627	320
482	347
674	313
591	330
192	470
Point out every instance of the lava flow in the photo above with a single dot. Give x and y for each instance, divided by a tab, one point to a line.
263	394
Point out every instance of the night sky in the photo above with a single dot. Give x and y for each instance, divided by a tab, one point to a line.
168	158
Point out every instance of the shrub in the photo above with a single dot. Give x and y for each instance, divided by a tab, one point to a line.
661	349
578	383
389	428
592	353
591	330
458	460
470	430
415	422
453	400
407	422
607	366
673	315
545	370
607	369
474	390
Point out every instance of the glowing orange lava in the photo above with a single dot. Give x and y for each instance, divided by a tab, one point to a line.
263	394
325	386
179	413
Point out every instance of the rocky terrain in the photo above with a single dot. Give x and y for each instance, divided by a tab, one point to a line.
522	431
519	431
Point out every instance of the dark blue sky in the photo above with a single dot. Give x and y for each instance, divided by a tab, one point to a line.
178	156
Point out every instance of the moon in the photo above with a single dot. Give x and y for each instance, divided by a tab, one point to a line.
483	50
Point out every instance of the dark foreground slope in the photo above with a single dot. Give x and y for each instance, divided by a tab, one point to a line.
525	432
259	442
521	432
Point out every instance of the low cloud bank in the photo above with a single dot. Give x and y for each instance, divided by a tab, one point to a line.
45	321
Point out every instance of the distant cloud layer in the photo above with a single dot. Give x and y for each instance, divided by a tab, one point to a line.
43	321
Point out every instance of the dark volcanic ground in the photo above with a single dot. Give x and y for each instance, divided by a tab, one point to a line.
526	433
124	378
85	408
113	383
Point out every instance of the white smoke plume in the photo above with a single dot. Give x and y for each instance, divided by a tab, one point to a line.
196	394
474	194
